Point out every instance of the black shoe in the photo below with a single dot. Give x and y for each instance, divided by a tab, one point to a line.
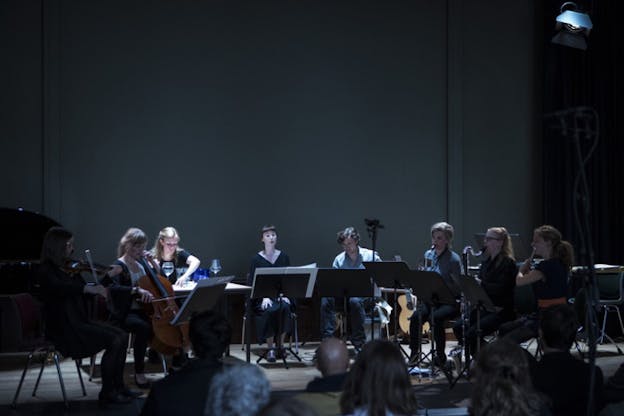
153	357
179	360
439	360
145	385
104	399
126	391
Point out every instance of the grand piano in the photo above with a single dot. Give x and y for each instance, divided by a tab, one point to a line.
22	236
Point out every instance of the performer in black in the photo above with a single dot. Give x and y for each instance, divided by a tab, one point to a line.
497	276
67	323
166	251
549	280
270	311
441	259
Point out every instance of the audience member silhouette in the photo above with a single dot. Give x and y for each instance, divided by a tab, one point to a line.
332	360
238	390
560	376
210	334
502	385
378	383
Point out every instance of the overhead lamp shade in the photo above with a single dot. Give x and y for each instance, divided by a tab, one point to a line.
575	21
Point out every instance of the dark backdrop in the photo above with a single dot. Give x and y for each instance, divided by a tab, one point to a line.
218	117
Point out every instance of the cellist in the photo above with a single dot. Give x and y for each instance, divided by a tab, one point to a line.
128	298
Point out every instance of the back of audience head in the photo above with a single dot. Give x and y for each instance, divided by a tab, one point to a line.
287	406
238	390
332	357
210	334
502	383
378	382
558	326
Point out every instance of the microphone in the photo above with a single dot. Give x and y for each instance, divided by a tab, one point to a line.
373	222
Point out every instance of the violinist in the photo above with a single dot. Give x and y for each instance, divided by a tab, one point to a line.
128	297
66	321
166	252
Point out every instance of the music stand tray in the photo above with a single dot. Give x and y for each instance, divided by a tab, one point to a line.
430	287
388	273
344	283
294	282
475	294
204	296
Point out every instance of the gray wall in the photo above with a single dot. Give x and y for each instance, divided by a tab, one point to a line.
219	117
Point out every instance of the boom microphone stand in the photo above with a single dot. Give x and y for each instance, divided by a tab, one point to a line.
372	225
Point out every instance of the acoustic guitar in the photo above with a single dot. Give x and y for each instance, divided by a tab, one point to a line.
407	302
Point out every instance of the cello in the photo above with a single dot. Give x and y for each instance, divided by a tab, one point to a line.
168	339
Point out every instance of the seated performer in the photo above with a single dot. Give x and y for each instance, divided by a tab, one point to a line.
170	257
351	258
446	263
66	321
549	279
497	276
271	313
127	297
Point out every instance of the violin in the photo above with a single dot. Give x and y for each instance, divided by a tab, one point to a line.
73	266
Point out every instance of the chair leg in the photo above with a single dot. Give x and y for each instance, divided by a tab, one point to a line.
164	364
604	325
243	332
40	372
130	342
58	370
296	336
21	382
78	362
619	314
92	366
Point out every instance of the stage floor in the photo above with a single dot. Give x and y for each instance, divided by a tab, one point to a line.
433	392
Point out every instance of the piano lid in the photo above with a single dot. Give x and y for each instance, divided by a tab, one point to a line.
23	233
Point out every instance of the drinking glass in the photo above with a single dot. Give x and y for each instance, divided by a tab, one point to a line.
167	268
215	266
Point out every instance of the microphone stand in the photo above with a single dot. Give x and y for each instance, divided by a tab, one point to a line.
372	225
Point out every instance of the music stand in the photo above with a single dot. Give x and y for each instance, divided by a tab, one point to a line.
204	296
274	282
391	274
475	295
431	289
344	283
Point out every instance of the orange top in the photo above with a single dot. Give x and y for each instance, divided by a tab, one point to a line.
545	303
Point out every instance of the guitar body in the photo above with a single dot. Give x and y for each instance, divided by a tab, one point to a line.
405	315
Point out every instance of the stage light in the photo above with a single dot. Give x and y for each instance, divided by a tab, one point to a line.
573	27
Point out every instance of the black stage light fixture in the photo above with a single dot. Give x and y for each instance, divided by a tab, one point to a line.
572	27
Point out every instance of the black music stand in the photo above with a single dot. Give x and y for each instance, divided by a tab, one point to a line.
204	296
344	283
277	282
430	288
474	295
391	274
